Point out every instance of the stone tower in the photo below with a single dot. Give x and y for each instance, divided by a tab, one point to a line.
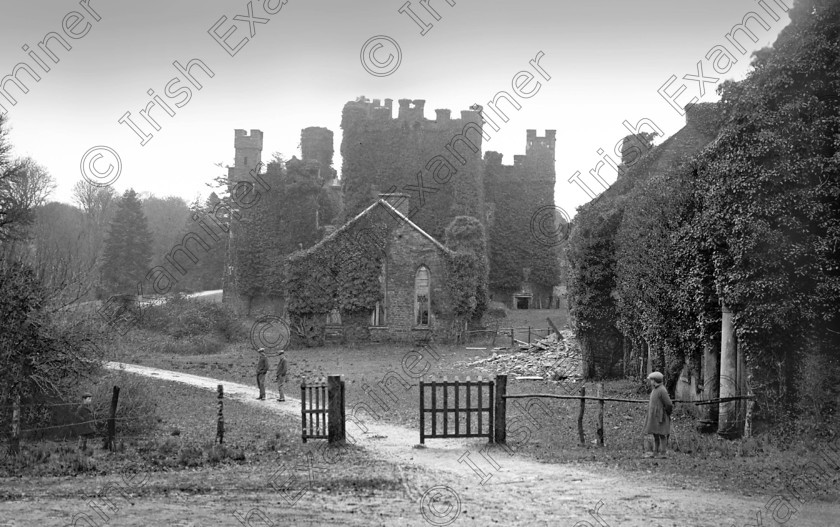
437	163
540	154
524	264
246	163
316	144
248	154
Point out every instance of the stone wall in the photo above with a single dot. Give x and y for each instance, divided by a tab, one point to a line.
408	249
437	162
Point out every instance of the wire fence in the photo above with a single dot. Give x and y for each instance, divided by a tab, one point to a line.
14	431
503	337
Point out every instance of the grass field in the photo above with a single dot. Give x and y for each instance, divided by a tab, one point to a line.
545	429
382	384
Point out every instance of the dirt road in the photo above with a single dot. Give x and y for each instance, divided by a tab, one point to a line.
448	483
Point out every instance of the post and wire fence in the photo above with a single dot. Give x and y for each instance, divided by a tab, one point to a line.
512	336
502	397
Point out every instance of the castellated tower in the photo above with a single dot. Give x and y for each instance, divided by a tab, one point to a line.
246	163
524	263
436	163
540	158
248	154
316	144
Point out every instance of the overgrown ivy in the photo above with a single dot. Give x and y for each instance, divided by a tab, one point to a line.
467	268
339	273
288	217
752	221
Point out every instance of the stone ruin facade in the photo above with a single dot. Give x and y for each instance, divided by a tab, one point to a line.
437	166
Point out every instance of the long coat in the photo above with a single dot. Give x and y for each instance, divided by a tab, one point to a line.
262	365
658	419
282	368
85	416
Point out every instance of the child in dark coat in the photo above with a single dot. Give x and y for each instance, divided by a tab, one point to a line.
658	421
282	370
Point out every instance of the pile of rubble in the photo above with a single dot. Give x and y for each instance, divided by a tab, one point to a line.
556	358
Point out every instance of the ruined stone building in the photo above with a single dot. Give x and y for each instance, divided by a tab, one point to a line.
431	171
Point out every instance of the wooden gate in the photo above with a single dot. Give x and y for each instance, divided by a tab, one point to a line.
467	414
323	418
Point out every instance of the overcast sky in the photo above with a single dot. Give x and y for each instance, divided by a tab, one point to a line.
606	60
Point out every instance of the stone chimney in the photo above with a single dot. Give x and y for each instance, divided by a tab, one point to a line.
398	201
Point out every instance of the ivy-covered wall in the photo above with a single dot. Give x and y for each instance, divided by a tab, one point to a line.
515	194
437	163
374	258
287	210
601	304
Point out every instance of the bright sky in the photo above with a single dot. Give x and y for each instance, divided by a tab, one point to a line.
606	60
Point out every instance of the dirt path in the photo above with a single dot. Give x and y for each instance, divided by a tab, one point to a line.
450	482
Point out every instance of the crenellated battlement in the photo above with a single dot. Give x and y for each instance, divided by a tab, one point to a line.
243	140
409	112
532	140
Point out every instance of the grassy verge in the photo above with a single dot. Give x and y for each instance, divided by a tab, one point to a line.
181	437
760	465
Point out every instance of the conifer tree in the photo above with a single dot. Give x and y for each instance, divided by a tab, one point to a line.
128	248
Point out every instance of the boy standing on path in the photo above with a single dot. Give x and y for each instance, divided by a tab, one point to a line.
262	369
282	370
658	421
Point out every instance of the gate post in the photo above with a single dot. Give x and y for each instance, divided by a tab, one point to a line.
500	424
335	408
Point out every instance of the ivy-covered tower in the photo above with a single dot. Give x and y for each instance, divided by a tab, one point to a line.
437	163
276	210
523	223
247	162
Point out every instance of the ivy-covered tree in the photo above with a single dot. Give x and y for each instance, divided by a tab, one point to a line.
770	195
40	357
128	248
466	235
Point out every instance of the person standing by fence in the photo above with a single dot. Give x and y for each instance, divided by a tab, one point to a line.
85	429
282	370
262	369
658	421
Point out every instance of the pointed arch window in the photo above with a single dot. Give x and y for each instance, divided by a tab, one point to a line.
422	296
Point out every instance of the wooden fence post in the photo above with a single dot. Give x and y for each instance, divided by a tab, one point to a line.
601	414
220	419
334	407
500	424
529	334
303	408
14	443
112	422
512	339
580	415
423	411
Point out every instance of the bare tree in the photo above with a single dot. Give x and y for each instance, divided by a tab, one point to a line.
24	185
96	201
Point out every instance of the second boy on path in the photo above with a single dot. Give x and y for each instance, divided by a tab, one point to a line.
262	369
282	370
